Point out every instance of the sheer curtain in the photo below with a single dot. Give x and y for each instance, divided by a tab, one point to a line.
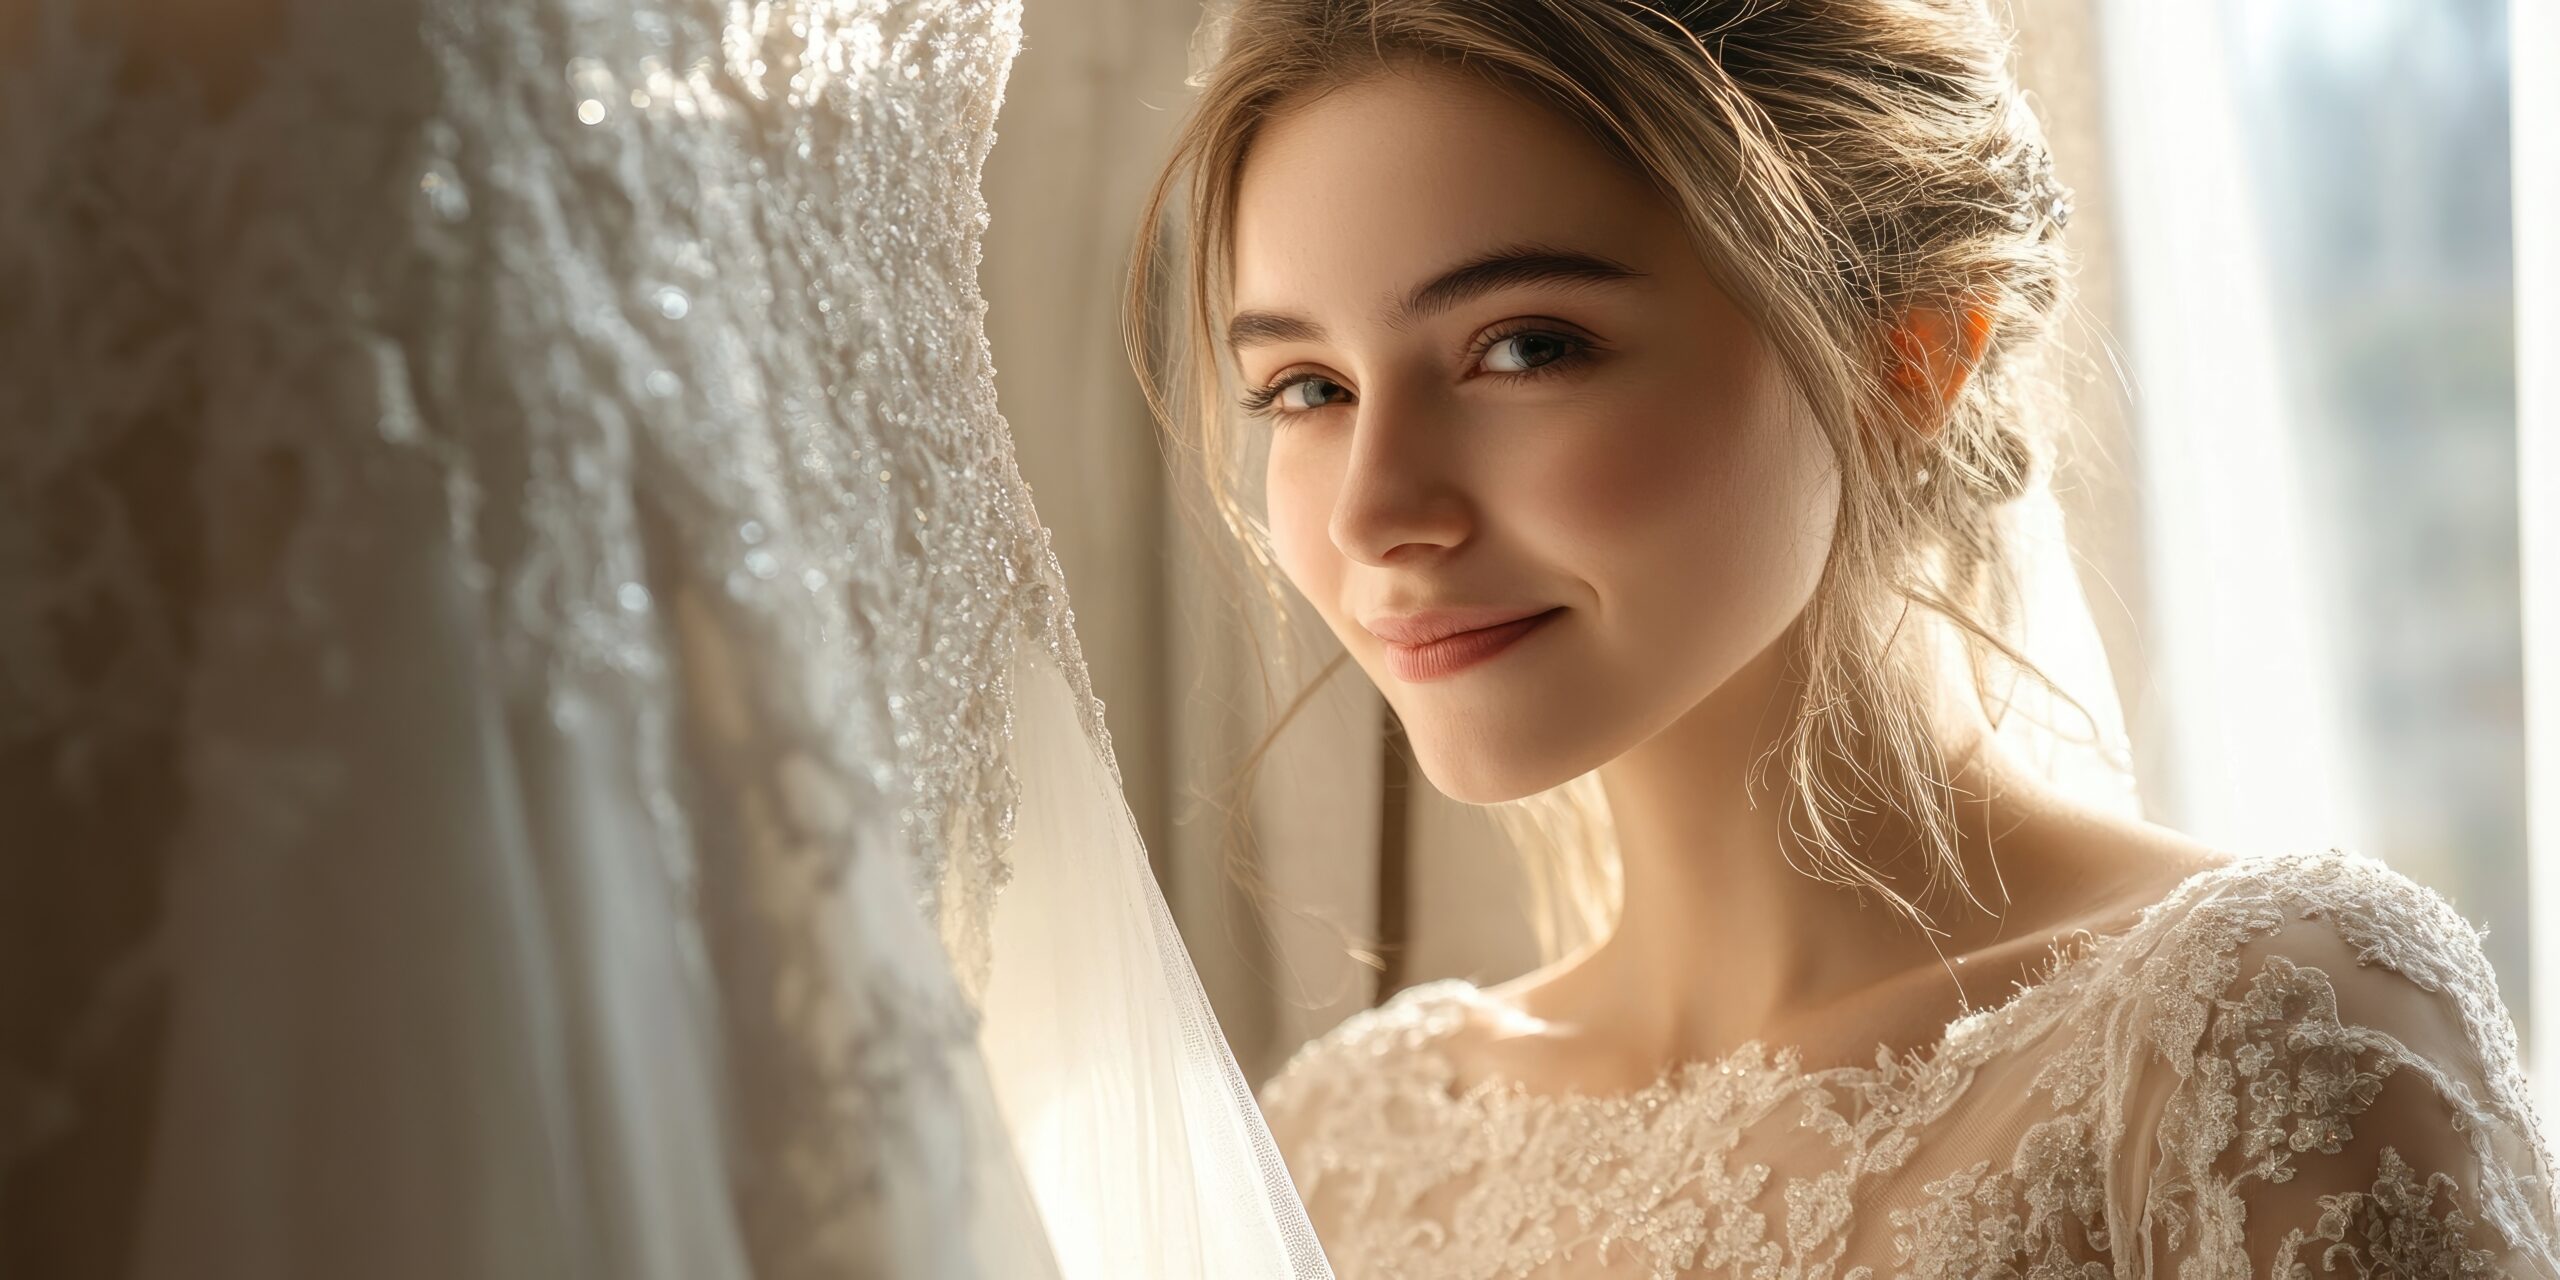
2316	224
2249	752
2534	116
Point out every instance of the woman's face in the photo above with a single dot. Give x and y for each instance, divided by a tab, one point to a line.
1506	386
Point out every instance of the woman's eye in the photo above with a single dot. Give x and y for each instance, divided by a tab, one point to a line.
1301	394
1308	393
1527	351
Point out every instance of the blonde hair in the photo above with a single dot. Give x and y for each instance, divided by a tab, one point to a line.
1839	163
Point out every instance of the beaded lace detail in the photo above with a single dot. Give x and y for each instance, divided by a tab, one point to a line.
2291	1066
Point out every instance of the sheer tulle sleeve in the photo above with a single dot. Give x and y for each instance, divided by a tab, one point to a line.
2322	1081
1362	1119
1339	1079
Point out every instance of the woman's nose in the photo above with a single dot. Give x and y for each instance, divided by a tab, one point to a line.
1400	493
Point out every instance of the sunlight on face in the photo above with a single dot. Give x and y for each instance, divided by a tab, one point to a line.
1584	423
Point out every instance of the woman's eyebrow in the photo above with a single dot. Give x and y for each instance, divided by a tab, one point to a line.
1505	268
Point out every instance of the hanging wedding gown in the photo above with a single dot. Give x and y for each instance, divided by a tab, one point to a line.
540	734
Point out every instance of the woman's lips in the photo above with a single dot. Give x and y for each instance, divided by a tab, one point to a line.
1449	655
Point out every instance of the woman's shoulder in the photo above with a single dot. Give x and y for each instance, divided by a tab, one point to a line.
2355	940
1334	1098
2321	1045
1383	1038
2337	907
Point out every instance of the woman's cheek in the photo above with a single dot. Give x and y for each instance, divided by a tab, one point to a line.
1718	497
1298	508
1634	473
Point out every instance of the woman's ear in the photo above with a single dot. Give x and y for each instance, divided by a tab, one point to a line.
1935	351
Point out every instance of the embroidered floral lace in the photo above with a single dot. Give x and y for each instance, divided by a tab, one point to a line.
2292	1066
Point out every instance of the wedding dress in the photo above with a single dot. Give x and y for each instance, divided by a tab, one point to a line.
540	733
2293	1065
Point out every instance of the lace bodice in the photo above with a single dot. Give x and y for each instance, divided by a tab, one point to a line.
2294	1066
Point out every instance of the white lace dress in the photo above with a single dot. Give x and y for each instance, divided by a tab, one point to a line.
2292	1066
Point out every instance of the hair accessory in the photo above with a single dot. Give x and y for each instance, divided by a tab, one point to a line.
1208	41
2040	193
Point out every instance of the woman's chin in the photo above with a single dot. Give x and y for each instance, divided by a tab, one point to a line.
1478	780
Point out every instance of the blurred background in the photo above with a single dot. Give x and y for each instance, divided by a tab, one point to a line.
2317	343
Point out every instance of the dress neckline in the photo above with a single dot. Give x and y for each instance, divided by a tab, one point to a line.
1757	1067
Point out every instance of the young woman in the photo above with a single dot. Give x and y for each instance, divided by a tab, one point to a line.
1626	377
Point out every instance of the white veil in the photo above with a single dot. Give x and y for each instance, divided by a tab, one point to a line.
2088	759
1139	1134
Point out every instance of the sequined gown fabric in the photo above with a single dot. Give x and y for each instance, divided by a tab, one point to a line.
2296	1065
522	648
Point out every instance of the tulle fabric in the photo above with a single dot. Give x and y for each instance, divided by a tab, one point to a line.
1135	1125
2083	752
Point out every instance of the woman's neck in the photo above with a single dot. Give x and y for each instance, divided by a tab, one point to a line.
1726	937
